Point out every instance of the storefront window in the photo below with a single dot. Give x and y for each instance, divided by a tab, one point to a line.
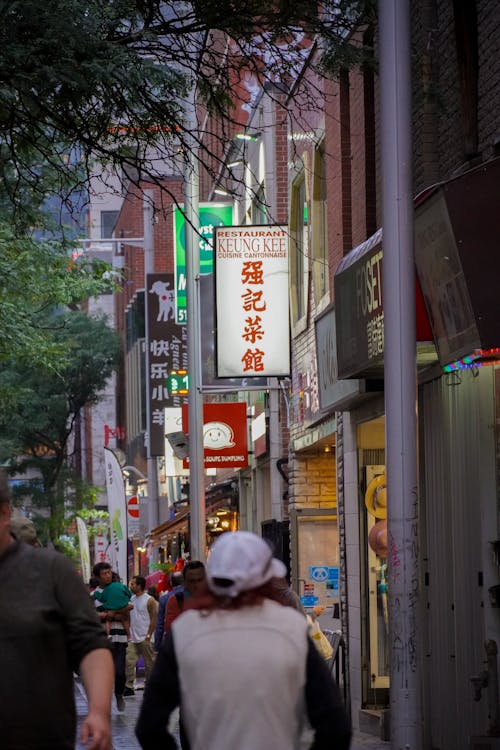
374	573
316	558
377	578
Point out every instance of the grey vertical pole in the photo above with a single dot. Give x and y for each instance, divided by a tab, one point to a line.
400	373
195	396
149	267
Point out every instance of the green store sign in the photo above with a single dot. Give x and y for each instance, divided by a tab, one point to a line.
211	215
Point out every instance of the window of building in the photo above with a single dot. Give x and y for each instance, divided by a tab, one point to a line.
299	252
258	207
108	221
319	238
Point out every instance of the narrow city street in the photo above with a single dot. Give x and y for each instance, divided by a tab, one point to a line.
123	726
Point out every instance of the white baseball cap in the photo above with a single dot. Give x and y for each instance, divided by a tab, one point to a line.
244	561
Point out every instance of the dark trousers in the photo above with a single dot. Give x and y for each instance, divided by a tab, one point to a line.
119	658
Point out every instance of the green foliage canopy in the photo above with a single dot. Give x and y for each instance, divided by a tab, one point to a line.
36	426
109	79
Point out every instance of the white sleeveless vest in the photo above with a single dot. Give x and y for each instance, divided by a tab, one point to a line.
242	676
139	618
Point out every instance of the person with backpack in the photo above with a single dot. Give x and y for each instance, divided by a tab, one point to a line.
177	583
194	584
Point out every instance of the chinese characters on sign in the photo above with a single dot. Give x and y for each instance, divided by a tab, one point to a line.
253	335
359	310
166	344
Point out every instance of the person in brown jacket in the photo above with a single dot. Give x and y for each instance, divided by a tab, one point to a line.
194	583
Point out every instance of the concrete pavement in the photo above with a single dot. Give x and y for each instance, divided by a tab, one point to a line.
123	725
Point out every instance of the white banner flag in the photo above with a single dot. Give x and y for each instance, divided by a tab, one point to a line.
117	507
83	540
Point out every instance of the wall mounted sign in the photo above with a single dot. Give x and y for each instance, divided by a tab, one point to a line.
166	351
225	442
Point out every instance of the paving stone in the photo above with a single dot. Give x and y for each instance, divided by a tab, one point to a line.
123	724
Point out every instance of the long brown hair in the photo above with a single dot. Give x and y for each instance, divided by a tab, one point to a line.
208	601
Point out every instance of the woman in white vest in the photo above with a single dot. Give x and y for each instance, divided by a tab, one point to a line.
242	667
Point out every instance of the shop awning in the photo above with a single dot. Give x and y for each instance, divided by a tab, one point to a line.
177	525
219	496
457	230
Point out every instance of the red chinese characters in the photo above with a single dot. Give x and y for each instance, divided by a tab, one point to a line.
252	275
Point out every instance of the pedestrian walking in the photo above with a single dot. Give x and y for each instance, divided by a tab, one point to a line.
114	597
241	666
177	581
117	635
48	630
194	582
23	528
142	625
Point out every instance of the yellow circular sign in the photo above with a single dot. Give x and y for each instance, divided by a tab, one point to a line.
376	497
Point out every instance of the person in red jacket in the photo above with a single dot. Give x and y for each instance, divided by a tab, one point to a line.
194	583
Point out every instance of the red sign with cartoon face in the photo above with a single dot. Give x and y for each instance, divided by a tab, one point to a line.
224	435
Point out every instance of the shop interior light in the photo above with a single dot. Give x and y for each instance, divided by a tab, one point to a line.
478	358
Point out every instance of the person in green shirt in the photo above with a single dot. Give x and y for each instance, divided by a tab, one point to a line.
115	598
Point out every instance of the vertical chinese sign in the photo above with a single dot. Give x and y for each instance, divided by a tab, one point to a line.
252	302
166	343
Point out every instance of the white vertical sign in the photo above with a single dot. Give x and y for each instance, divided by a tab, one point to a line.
117	507
83	541
102	549
252	301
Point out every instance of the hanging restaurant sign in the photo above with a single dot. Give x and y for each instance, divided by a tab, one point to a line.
252	303
225	442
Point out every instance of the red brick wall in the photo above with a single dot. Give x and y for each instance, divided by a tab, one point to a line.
131	224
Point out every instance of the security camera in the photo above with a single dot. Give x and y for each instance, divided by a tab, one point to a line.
179	442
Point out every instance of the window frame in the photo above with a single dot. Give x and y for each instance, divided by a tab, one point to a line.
299	253
319	232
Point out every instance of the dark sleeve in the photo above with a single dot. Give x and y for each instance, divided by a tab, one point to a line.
160	622
83	630
161	696
325	708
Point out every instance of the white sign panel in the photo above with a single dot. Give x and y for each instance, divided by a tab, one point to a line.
83	540
251	275
117	508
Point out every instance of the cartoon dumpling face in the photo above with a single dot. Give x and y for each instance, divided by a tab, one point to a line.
217	435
